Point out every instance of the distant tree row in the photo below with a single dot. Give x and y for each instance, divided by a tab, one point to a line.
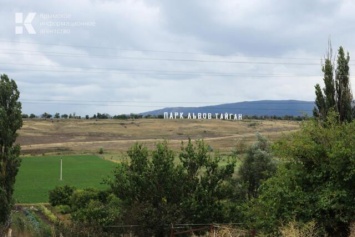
50	116
139	116
275	117
74	116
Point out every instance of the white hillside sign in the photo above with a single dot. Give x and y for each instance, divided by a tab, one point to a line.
220	116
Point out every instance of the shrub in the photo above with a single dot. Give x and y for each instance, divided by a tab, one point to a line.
63	209
81	198
50	216
61	195
101	150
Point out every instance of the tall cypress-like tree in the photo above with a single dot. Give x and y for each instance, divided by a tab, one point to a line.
329	89
342	84
336	95
320	111
10	122
325	100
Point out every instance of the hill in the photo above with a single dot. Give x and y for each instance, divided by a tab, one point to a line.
258	108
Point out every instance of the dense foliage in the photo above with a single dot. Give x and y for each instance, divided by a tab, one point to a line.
158	192
257	166
10	122
315	182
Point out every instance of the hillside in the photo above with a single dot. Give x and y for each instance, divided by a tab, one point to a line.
258	108
115	137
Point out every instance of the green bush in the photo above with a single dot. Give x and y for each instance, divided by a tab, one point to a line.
64	209
101	150
61	195
50	216
82	197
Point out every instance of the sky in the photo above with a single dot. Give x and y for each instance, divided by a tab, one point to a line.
131	56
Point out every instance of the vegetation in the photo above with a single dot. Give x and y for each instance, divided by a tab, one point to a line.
156	192
10	122
315	181
152	191
337	95
257	166
306	191
27	222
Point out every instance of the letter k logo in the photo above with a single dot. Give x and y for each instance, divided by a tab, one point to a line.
27	23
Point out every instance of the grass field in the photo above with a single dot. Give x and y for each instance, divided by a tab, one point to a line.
38	175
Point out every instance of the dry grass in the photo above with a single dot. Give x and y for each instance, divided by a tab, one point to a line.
352	229
228	231
294	229
117	136
222	231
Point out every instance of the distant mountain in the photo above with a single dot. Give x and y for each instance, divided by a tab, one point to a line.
258	108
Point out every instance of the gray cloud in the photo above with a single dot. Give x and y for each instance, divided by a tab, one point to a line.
143	55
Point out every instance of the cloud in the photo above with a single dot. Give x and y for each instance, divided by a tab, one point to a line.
132	55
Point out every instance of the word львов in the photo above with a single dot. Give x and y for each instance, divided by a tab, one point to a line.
226	116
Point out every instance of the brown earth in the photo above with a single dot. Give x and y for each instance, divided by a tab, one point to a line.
62	136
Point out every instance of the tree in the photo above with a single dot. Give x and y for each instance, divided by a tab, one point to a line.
102	116
316	181
64	116
157	192
46	115
342	85
61	195
10	122
320	110
150	188
206	183
326	99
256	167
57	115
336	95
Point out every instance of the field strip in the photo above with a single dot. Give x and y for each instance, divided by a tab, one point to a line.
175	140
46	145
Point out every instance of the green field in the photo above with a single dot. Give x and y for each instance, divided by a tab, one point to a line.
38	175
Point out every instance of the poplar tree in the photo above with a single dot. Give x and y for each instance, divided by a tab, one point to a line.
336	95
10	122
342	84
325	99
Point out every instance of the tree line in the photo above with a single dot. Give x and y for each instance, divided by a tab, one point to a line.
46	115
139	116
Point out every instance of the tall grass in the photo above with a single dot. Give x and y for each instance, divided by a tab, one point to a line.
295	229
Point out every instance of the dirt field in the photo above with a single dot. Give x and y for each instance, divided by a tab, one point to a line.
64	136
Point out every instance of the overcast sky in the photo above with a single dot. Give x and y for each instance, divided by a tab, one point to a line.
131	56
